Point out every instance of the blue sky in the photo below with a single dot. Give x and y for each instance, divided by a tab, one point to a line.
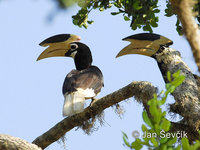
31	97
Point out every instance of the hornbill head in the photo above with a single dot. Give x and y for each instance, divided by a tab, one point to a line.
58	45
145	44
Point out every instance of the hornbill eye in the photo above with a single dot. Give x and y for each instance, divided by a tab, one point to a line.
73	46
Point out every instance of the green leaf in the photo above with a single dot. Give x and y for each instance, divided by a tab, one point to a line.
176	74
117	5
165	124
146	141
134	26
154	142
90	22
125	139
171	141
144	128
157	127
144	16
196	145
154	110
136	5
95	5
110	5
171	88
101	9
179	28
163	147
167	86
126	18
85	25
163	140
75	22
185	144
137	145
125	135
162	102
115	13
178	148
147	119
154	24
156	11
169	76
147	27
169	10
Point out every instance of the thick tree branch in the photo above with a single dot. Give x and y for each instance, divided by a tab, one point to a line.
8	142
186	95
183	8
192	135
142	91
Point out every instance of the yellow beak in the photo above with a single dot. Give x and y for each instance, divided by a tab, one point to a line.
57	47
144	44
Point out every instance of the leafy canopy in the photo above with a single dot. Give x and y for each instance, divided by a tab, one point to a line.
140	13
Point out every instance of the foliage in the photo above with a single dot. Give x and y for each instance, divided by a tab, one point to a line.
169	13
157	128
141	13
197	9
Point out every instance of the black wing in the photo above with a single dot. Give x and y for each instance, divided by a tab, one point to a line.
91	78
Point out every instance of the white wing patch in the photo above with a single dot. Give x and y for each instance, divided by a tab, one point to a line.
88	93
74	102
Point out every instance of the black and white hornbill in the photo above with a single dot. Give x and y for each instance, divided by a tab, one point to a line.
83	83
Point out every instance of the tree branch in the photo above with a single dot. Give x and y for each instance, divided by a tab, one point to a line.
183	8
179	127
8	142
186	95
142	91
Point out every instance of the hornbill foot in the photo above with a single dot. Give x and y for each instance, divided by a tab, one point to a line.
94	99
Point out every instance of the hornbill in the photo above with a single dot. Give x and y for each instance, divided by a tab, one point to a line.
145	44
152	45
83	83
186	95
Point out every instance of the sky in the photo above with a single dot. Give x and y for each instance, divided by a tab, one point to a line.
31	92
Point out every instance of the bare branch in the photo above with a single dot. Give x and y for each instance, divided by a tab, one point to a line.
183	8
8	142
142	91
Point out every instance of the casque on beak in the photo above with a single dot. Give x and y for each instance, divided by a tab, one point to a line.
58	45
144	44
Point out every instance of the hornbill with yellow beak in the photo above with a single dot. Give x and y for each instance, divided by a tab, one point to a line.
186	95
83	83
153	45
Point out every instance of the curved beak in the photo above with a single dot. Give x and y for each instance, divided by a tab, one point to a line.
57	45
144	44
